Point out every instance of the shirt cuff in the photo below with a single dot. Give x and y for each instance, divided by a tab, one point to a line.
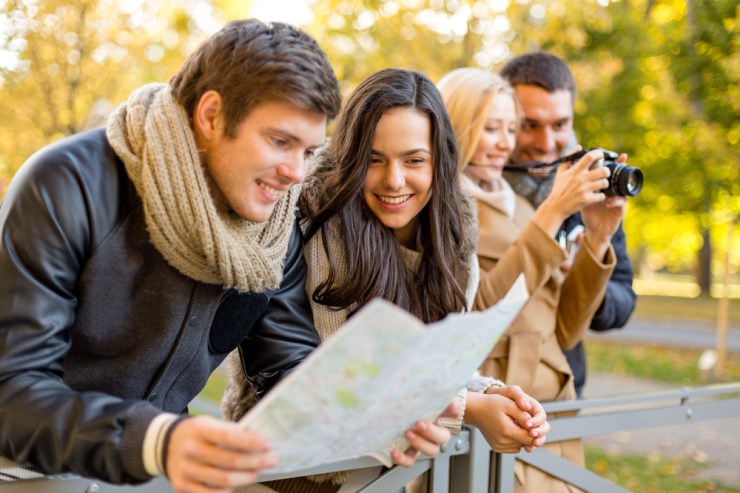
455	424
153	447
481	384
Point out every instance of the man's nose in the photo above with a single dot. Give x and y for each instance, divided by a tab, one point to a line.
547	139
295	167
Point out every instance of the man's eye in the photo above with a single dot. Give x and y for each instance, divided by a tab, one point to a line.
279	142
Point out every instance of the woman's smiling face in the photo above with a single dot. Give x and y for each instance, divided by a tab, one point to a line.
398	184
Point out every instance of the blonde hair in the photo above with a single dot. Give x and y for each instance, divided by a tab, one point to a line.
467	92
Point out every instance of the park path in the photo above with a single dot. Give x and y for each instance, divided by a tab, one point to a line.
715	441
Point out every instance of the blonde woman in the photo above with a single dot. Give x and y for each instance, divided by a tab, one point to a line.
514	238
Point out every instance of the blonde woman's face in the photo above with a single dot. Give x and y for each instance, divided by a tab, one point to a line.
496	140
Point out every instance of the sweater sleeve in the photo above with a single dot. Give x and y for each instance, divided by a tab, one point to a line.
46	231
619	299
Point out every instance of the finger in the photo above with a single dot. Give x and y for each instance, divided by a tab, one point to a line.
427	443
406	459
238	438
215	478
433	432
539	416
198	478
616	201
622	158
541	430
588	159
453	410
231	461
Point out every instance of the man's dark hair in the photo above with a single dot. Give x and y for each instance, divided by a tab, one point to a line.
249	62
540	69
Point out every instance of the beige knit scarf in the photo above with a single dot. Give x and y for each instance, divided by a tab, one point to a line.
151	133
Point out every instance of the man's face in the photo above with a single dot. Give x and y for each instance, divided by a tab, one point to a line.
250	172
547	125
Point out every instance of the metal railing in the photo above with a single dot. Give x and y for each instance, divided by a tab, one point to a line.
467	464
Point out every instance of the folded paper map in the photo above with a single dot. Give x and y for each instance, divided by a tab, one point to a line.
384	370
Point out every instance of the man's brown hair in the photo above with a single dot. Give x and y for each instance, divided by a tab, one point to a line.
249	62
540	69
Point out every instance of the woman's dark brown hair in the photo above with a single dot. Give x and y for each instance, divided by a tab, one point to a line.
373	253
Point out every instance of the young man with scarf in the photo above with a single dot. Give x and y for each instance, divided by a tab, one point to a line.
135	258
546	92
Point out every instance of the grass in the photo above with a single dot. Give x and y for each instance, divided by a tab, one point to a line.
670	365
700	308
215	387
652	475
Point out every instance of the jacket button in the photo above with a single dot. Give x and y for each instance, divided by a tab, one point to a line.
193	320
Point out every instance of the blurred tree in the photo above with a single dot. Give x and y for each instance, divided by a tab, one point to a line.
66	64
657	79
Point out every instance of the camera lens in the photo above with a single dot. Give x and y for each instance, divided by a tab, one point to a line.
625	180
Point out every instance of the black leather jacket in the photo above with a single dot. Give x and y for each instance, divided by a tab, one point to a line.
98	334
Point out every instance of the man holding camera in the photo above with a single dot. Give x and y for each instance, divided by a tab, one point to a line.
546	91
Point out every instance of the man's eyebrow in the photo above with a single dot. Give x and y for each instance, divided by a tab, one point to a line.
288	135
293	137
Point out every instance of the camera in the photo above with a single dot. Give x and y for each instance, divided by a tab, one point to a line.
624	180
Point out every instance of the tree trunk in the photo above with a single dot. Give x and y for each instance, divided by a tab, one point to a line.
704	259
704	263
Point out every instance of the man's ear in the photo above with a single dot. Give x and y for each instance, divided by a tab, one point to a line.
208	116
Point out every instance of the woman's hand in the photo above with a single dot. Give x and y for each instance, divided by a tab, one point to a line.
508	418
426	438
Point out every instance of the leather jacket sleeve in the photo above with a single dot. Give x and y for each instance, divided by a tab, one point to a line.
284	335
47	231
619	299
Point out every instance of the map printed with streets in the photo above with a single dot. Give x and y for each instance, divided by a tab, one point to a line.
360	390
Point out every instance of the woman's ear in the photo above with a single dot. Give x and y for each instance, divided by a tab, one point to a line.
208	121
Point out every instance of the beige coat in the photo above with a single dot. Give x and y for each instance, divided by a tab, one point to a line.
556	317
